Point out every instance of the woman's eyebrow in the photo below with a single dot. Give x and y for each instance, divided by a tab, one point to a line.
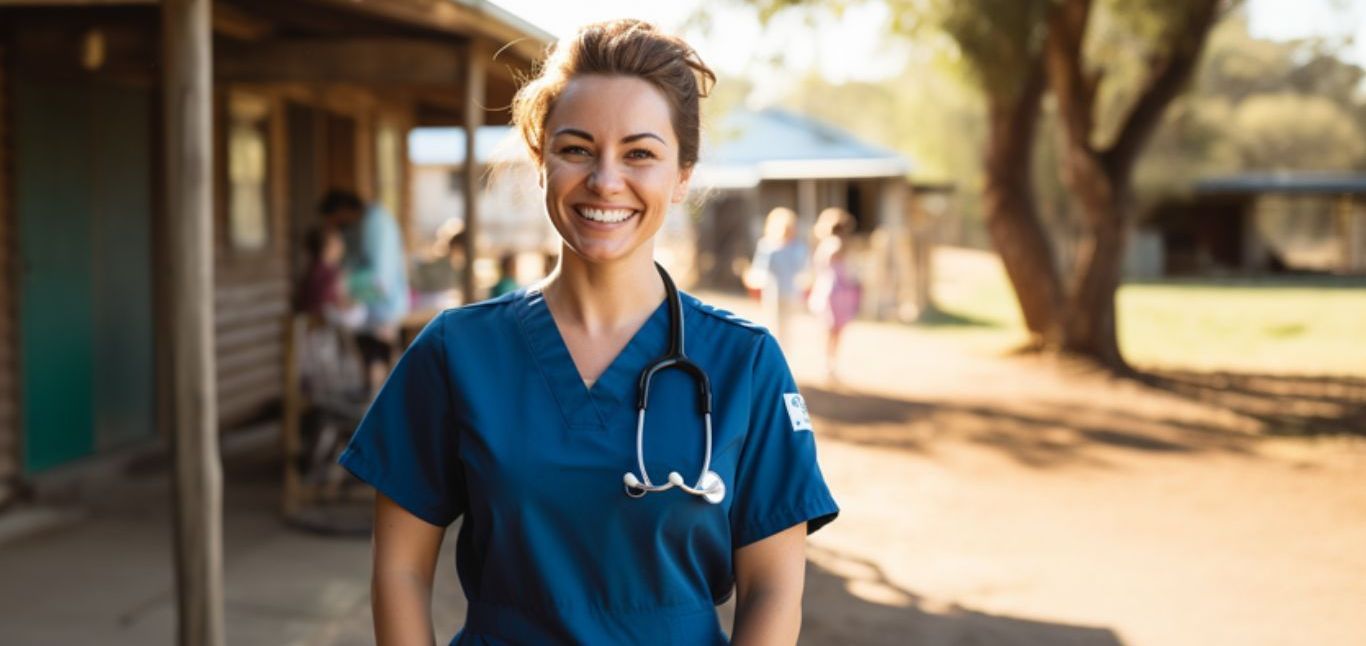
573	131
626	140
642	135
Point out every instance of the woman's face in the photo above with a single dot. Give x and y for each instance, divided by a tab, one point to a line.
610	168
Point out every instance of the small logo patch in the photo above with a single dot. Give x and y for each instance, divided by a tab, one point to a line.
796	412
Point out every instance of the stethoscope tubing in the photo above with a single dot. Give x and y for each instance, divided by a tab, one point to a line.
709	485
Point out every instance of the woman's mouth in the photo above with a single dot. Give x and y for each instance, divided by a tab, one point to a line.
604	216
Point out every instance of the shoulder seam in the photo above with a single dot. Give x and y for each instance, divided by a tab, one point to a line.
733	320
505	300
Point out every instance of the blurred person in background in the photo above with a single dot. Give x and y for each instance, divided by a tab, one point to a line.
323	293
780	264
507	276
835	289
377	275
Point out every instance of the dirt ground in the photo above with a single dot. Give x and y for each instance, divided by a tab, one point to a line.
995	500
986	501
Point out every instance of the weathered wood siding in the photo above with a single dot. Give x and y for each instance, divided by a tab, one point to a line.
252	292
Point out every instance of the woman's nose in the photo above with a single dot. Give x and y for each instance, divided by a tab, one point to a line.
606	178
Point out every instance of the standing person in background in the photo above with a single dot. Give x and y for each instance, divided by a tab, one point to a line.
835	290
780	259
377	272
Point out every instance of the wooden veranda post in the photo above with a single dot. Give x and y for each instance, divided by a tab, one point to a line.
188	88
473	115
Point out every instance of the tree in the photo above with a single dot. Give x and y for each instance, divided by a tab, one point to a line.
1099	172
1112	68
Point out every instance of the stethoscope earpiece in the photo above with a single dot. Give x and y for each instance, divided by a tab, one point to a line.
709	485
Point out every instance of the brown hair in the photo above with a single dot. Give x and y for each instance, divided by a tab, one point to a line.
619	48
834	221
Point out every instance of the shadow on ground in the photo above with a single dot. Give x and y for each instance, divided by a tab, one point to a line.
874	611
1303	280
941	318
1284	404
1035	433
1049	432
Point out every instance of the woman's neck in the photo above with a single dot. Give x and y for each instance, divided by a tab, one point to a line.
604	297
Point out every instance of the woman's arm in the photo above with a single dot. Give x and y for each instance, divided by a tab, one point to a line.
405	552
769	577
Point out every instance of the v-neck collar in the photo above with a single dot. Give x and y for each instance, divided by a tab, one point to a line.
615	389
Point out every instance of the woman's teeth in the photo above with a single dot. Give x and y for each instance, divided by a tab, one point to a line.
608	216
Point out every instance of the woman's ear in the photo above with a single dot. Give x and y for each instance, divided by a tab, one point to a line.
681	189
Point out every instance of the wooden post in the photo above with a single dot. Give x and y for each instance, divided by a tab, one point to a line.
1349	229
188	87
806	208
897	296
473	118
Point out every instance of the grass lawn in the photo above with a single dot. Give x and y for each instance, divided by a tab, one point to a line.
1303	326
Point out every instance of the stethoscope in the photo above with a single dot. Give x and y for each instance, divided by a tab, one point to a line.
709	485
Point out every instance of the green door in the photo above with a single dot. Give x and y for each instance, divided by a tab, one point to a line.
83	189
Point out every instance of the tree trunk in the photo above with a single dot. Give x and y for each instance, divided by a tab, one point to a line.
1090	328
1011	218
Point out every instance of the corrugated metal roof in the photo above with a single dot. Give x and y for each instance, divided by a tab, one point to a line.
748	146
1300	182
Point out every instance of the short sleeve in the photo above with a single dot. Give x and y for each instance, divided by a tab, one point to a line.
406	445
778	482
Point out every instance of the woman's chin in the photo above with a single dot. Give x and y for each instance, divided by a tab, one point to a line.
599	252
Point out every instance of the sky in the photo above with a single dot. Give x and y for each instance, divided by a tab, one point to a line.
852	47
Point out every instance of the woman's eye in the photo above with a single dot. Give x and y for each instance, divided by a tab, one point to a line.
640	153
573	150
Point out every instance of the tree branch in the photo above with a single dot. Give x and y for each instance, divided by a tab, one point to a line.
1166	82
1073	89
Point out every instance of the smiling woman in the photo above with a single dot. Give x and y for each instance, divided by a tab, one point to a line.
522	413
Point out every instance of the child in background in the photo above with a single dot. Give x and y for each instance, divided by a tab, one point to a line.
780	259
835	290
323	294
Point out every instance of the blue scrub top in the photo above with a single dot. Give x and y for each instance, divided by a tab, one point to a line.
485	415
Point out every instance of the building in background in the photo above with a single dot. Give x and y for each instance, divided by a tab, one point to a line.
754	161
308	96
1257	224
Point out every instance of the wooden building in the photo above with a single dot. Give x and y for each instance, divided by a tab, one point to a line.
1263	223
306	95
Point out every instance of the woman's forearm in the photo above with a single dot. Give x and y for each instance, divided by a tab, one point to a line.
402	607
767	617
